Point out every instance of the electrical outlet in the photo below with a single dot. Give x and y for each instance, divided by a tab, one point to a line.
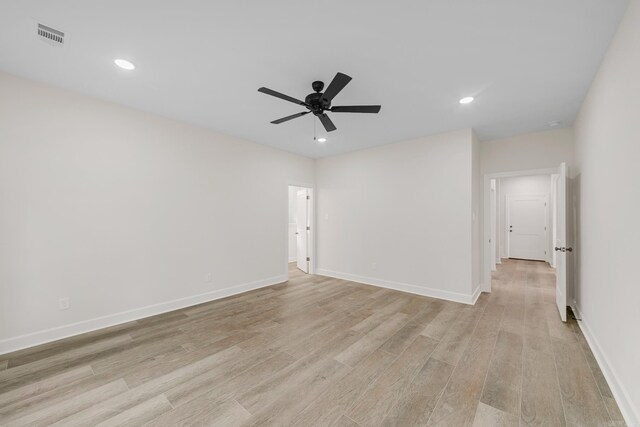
208	278
63	303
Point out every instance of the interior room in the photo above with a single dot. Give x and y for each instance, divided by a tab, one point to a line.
460	187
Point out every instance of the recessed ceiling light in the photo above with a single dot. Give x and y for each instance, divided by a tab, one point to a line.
322	139
466	100
555	124
123	63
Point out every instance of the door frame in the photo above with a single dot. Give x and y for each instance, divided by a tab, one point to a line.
545	197
493	223
312	227
553	217
486	209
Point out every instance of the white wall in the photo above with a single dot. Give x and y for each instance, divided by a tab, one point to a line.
494	246
521	186
121	210
540	150
292	204
476	213
407	211
292	242
607	191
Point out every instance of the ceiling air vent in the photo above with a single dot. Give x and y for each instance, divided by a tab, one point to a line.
50	35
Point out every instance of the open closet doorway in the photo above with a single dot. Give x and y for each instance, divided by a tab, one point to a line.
300	230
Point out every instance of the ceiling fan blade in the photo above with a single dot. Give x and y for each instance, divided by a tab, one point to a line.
356	109
327	123
337	84
281	96
293	116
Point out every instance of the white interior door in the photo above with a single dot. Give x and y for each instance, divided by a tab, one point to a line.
527	223
302	231
561	242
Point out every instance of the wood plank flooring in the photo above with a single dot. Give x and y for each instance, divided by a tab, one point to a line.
317	351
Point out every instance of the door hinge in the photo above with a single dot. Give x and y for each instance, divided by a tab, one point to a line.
308	259
308	228
308	197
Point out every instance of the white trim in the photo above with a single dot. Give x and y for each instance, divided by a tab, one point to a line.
493	219
553	201
629	412
41	337
530	172
405	287
476	294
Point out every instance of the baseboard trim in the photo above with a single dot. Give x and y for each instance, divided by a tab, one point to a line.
476	294
292	259
403	287
631	417
42	337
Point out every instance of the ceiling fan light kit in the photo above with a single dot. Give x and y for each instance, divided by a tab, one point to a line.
318	102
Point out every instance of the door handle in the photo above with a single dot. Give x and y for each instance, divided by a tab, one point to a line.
563	249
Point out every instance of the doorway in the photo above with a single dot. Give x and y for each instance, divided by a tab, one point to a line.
496	187
525	217
300	229
521	218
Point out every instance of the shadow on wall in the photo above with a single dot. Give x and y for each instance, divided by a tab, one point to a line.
574	218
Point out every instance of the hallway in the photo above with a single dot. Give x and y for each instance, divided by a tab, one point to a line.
560	378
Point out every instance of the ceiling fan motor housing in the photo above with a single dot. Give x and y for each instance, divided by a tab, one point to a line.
317	103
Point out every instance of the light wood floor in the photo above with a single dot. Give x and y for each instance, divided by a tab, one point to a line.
320	351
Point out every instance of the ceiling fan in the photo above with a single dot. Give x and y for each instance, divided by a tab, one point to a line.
319	102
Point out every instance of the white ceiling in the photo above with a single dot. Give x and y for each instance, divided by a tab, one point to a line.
527	62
